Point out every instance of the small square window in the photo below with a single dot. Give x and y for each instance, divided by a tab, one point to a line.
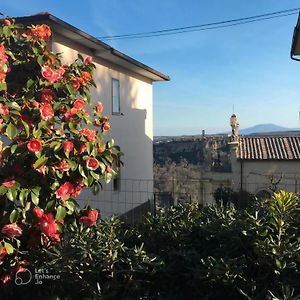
115	96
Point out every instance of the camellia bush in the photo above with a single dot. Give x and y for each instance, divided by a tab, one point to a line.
52	145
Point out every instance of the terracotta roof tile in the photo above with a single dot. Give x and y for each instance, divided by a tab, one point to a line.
269	148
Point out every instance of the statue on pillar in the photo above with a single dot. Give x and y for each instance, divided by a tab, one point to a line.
234	123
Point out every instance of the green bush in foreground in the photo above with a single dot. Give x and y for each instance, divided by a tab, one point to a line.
185	252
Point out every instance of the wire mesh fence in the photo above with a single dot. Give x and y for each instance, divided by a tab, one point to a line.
131	199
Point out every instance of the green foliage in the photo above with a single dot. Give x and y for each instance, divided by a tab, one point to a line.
212	252
93	263
187	252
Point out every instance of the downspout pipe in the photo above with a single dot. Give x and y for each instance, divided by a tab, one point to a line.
242	169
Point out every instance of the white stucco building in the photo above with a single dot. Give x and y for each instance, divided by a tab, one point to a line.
124	86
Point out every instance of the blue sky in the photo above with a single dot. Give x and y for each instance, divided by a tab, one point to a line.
248	65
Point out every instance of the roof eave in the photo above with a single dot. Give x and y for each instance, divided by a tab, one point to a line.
99	48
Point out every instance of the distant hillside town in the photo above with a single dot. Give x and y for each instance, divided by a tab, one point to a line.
191	168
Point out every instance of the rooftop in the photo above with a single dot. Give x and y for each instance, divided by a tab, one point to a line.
97	47
269	148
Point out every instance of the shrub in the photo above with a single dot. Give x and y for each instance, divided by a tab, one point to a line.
49	151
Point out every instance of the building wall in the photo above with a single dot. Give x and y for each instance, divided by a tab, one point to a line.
132	131
266	175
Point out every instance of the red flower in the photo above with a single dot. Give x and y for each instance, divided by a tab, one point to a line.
11	230
68	146
47	225
3	56
49	74
35	104
70	113
92	163
5	278
46	111
47	95
89	134
60	72
6	22
3	253
2	75
9	183
99	108
90	219
108	169
64	191
86	76
76	85
4	110
82	148
105	126
78	185
41	169
35	145
88	60
38	212
63	166
41	32
78	104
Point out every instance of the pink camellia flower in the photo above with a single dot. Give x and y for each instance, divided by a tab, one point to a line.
108	169
6	22
64	191
2	75
88	60
60	72
78	104
38	212
41	170
70	113
3	253
49	74
92	163
47	225
4	109
78	186
89	134
82	148
47	95
63	166
34	145
35	104
86	76
9	183
12	230
4	279
68	146
105	126
46	111
41	32
76	85
90	219
99	108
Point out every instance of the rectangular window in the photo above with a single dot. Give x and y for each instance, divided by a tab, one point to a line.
115	96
